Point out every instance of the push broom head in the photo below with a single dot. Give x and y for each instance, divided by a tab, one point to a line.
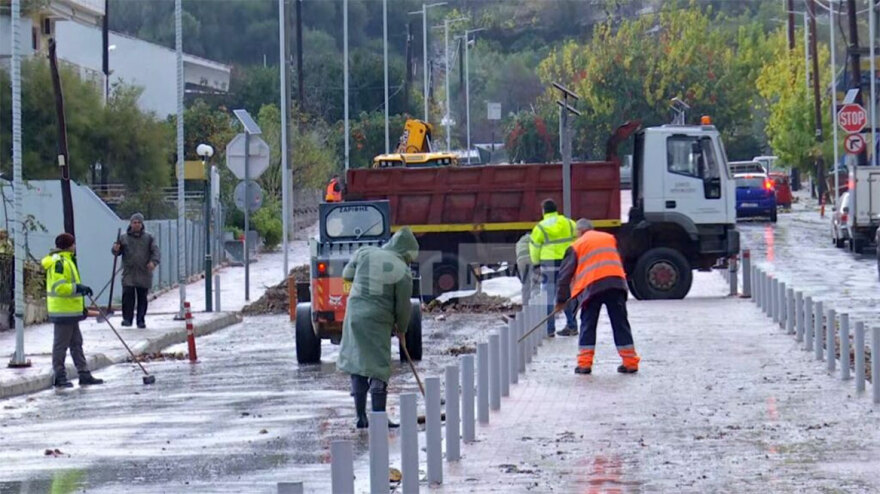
149	380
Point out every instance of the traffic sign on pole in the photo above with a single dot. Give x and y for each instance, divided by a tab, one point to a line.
258	156
852	118
854	143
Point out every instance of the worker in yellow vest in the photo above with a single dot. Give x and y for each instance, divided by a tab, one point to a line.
65	301
549	239
592	273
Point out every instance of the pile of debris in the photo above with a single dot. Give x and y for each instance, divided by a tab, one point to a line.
159	356
479	303
276	299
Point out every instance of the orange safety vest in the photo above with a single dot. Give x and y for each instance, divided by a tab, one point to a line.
597	258
333	195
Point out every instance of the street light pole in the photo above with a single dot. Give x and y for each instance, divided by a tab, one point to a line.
385	63
467	87
424	14
345	78
181	211
831	13
205	152
448	117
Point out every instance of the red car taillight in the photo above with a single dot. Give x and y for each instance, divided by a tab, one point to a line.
322	268
768	184
844	217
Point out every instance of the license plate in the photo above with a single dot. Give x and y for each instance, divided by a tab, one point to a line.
346	287
749	204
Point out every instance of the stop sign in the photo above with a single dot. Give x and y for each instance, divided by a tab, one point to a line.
852	118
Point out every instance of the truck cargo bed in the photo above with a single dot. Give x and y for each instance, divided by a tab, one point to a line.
488	198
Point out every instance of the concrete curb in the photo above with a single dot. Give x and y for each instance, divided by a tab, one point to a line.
99	361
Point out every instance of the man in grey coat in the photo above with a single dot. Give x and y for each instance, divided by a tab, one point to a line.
140	256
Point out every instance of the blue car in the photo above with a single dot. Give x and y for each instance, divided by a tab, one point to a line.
755	196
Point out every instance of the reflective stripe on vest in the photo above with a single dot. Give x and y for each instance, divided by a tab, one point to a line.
597	259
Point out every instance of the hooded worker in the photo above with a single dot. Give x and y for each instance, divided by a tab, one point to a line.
378	305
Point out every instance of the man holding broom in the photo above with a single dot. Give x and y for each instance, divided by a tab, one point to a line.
378	304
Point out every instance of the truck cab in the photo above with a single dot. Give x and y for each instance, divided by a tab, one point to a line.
684	209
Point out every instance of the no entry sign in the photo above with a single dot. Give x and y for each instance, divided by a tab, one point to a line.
854	143
852	118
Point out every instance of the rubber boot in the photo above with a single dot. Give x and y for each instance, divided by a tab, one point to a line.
86	378
379	400
360	406
60	381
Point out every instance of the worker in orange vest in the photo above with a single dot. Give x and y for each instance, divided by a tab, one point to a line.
334	190
592	273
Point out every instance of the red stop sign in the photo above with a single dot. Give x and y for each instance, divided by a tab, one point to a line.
852	118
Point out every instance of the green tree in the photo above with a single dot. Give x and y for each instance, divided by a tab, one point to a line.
791	122
529	141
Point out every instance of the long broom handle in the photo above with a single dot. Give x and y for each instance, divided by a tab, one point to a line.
107	320
412	367
544	321
113	275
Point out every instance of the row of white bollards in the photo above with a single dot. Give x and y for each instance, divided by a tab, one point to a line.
485	380
819	329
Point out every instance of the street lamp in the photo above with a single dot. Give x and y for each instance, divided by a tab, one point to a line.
205	152
424	14
467	86
447	118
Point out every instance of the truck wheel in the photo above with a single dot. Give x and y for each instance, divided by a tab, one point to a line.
662	273
308	345
632	289
413	334
444	278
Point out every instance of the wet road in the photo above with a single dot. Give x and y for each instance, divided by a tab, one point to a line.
244	418
798	249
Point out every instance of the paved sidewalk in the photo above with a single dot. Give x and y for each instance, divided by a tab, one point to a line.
101	346
724	402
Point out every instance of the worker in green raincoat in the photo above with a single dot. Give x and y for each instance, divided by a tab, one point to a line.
378	304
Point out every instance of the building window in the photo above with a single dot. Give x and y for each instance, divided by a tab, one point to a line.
35	39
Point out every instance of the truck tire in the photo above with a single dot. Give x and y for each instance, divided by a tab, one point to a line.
308	345
413	334
444	277
662	273
632	289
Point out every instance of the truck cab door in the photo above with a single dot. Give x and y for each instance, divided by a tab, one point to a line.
695	181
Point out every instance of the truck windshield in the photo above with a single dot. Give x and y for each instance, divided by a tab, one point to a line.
355	221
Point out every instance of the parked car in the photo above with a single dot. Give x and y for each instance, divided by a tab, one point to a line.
755	196
743	167
782	186
839	229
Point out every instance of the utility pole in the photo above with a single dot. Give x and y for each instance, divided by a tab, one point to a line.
807	52
300	85
345	79
447	119
833	87
565	143
819	163
790	10
407	84
181	205
63	154
385	68
425	73
283	45
856	60
872	26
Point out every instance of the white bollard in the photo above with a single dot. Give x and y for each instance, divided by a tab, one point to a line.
433	434
494	372
505	360
859	344
818	334
409	442
844	346
830	332
453	436
790	316
774	303
290	488
875	363
521	328
799	314
483	383
378	452
342	467
808	320
782	311
217	293
759	285
467	398
748	273
513	371
732	277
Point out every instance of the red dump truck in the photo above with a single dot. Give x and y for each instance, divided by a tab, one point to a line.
683	215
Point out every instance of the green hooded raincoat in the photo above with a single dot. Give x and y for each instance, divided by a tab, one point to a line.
379	299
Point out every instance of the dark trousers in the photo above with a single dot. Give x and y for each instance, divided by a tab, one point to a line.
378	391
129	294
549	273
68	336
615	303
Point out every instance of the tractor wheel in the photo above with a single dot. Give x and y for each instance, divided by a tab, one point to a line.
308	345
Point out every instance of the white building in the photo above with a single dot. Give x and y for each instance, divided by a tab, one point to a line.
76	27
